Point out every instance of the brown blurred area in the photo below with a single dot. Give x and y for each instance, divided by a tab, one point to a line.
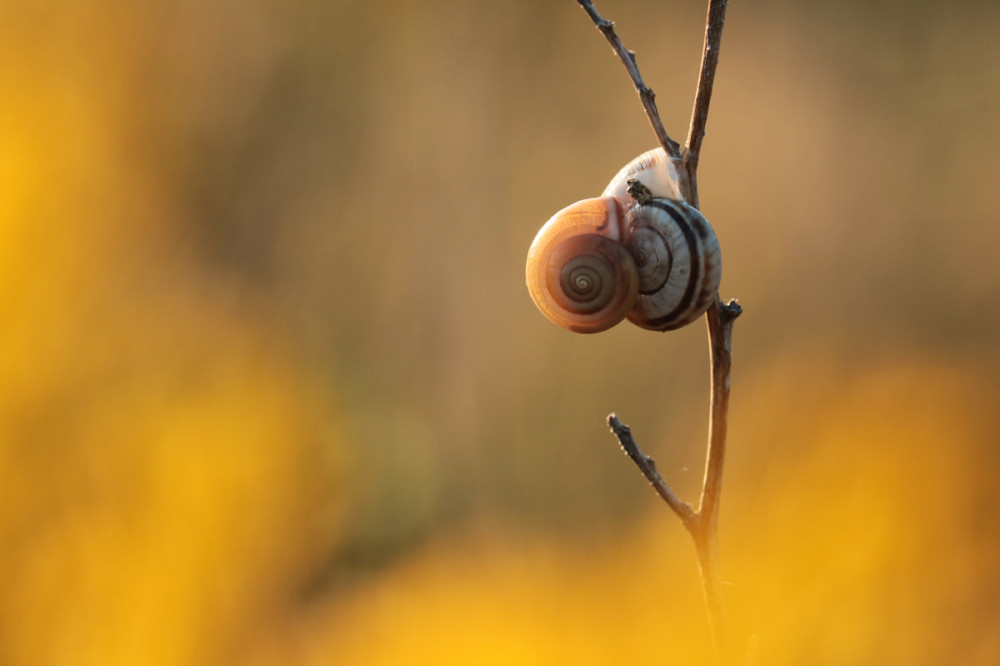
272	390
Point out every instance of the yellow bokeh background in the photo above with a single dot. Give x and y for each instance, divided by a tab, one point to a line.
272	390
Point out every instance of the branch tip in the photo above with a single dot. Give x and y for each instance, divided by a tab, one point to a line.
729	311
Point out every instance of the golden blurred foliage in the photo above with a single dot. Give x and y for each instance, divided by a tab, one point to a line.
866	541
272	390
165	466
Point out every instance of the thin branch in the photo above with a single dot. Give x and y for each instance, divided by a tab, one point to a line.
648	467
720	337
646	95
702	522
706	80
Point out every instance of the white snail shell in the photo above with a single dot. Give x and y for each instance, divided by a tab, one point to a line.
653	170
656	262
679	263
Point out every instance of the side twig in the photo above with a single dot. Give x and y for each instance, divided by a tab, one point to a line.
647	466
646	94
703	96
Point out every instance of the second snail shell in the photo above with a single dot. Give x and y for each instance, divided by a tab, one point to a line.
656	261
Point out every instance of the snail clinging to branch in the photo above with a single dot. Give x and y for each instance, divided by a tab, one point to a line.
638	252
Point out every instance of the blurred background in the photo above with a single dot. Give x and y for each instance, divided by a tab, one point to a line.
272	390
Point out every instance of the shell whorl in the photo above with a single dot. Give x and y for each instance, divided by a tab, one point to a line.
654	170
579	273
679	262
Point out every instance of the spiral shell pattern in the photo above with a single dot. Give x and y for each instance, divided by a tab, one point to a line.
579	273
650	257
679	262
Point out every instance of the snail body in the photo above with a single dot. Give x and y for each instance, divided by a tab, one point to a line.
636	252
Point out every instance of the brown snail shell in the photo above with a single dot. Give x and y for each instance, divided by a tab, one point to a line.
650	257
579	273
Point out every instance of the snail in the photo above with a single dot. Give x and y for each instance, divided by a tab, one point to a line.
638	252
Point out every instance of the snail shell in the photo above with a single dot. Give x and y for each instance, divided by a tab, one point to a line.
579	273
654	170
600	260
679	262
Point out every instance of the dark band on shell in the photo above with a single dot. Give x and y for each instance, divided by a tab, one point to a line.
687	279
636	251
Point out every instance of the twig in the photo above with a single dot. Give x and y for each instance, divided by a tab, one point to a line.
720	338
646	94
703	522
706	539
647	466
706	79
